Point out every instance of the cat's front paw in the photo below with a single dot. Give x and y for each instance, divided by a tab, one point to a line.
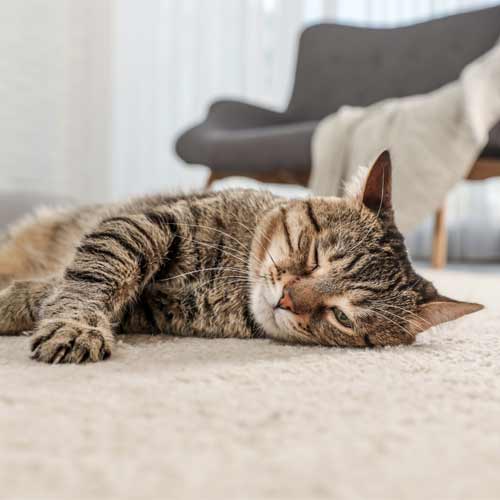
66	341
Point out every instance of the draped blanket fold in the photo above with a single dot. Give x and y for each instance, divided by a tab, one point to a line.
434	139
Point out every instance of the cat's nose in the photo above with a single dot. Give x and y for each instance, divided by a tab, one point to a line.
300	297
286	301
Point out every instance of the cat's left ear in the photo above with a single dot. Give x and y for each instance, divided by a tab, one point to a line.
378	184
441	309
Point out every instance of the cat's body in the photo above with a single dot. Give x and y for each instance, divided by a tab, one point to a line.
202	287
198	287
237	263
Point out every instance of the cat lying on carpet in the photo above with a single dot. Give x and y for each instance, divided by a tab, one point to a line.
237	263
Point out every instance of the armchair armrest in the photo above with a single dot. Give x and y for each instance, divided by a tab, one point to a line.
238	114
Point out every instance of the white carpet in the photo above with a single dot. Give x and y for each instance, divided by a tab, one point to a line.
230	419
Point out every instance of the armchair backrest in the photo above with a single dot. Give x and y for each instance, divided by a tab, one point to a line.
339	65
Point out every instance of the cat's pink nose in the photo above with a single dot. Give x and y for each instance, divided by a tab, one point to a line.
286	301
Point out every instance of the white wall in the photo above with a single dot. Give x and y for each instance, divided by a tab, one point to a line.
94	92
172	58
55	96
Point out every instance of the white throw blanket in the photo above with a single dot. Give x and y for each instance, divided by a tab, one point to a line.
434	139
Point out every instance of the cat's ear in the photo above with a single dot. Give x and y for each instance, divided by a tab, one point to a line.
441	309
377	189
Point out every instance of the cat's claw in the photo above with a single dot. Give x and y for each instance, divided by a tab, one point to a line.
70	342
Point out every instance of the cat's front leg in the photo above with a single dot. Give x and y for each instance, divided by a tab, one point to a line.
20	304
111	267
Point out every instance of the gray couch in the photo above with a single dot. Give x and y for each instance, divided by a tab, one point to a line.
338	65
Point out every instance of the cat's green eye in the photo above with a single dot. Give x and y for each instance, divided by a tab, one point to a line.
341	317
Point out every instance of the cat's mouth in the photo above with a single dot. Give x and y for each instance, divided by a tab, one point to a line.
282	316
265	306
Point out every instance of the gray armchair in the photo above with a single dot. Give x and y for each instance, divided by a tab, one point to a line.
340	65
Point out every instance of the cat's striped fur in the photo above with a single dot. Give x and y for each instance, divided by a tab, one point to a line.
230	264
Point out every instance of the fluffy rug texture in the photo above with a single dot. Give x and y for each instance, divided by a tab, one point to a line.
230	419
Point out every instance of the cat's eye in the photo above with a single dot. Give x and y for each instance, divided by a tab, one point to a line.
341	317
315	260
316	256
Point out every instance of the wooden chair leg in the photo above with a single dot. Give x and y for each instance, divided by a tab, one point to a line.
440	239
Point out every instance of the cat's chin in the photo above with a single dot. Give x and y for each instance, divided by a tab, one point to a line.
263	301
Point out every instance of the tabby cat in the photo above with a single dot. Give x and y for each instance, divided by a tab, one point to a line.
237	263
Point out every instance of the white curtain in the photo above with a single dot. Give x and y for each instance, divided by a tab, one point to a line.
94	92
174	57
55	103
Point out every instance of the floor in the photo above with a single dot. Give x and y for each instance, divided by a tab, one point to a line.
193	418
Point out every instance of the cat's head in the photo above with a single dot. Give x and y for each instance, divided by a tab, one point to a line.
335	271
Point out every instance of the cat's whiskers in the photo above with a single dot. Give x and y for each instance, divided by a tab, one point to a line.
241	256
412	322
237	273
244	254
245	247
218	247
266	249
417	316
391	321
305	333
243	279
237	283
296	333
241	285
188	273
